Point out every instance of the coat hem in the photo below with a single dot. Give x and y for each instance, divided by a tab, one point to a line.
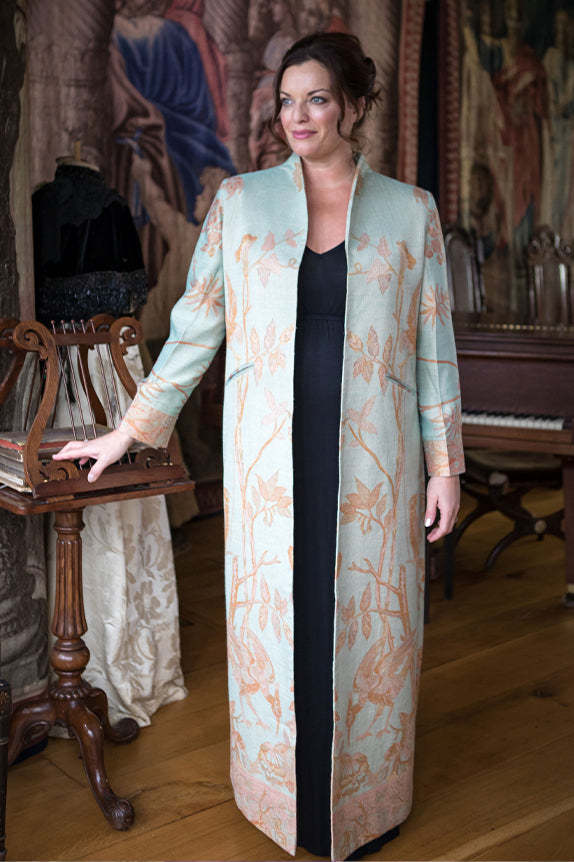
370	816
268	808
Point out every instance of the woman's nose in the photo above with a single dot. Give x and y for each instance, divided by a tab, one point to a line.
300	113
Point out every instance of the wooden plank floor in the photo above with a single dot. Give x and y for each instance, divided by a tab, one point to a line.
495	746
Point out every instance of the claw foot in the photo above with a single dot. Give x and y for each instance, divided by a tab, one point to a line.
119	813
125	730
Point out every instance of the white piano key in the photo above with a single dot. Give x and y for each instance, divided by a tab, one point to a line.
509	420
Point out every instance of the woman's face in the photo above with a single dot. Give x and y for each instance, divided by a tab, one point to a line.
310	113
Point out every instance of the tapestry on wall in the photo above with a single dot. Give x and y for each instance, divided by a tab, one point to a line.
516	133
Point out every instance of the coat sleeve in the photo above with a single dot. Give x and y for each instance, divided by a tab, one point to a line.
197	328
437	372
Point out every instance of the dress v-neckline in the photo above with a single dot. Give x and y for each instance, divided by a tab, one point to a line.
329	250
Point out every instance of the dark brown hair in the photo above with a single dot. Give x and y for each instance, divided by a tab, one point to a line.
353	76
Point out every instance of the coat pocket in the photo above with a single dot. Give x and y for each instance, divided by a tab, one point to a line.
239	371
400	383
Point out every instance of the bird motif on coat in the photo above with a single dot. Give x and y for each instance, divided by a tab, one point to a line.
379	679
253	672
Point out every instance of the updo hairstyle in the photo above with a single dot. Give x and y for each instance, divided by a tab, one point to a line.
353	76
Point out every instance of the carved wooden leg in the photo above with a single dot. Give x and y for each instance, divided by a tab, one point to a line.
86	727
70	655
72	702
124	731
30	719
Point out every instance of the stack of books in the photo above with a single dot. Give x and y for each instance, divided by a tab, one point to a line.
12	451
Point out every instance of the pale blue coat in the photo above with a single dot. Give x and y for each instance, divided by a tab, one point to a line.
400	397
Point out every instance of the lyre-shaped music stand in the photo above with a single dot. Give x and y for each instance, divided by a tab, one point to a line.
65	374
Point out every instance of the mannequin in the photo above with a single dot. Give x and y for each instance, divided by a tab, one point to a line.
76	160
87	254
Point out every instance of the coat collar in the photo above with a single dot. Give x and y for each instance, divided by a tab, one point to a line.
295	169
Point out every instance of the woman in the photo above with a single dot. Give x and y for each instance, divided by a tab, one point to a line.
373	374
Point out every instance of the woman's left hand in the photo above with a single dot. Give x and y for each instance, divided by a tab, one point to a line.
443	494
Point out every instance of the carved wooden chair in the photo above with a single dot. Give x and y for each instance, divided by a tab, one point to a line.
549	262
464	258
498	480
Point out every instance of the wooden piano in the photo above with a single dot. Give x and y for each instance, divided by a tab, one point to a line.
517	388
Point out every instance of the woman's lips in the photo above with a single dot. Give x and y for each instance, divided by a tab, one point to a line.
300	136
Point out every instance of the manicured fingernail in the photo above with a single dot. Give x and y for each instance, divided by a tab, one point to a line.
91	477
428	521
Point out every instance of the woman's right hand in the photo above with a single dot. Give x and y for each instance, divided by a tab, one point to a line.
103	450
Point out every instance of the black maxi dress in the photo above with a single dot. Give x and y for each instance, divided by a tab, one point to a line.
319	346
316	417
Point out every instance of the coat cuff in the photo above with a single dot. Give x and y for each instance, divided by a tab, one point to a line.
147	424
443	458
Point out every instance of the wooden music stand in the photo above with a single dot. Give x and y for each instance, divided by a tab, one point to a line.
62	487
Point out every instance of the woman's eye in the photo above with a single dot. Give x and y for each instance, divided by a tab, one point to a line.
285	101
318	100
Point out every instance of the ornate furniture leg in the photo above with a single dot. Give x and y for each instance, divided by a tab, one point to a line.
72	701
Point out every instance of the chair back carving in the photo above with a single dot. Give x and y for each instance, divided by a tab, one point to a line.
464	258
550	280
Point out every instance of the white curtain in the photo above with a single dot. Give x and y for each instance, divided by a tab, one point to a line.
130	594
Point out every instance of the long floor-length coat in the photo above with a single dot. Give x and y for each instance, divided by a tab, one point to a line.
400	395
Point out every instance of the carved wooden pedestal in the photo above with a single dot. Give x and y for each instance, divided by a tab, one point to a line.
71	701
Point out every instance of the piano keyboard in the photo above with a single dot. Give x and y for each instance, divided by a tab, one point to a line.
511	420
